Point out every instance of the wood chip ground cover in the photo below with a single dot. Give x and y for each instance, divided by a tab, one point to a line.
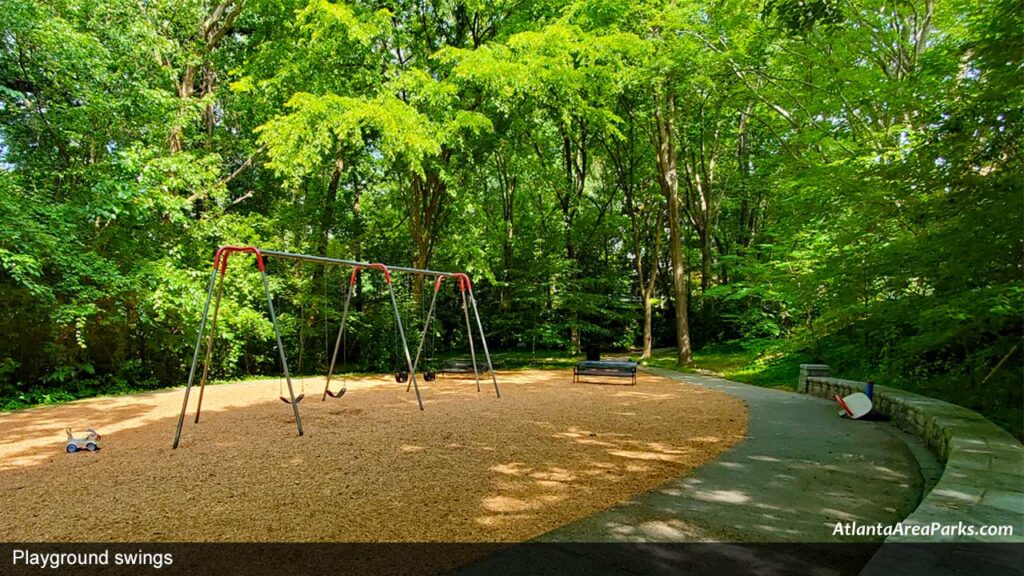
371	467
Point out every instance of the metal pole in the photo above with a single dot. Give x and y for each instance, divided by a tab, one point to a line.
280	350
337	343
469	332
351	263
405	345
423	337
209	345
487	353
195	355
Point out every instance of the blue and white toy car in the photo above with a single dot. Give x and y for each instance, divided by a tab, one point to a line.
91	442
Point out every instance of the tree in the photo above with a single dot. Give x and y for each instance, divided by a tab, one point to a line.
821	179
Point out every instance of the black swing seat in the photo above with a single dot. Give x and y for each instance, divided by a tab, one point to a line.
430	376
297	399
337	394
401	377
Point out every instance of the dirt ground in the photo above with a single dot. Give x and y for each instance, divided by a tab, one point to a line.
371	467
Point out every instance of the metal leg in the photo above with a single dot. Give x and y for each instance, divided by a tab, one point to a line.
209	345
280	350
423	337
195	355
469	334
487	353
337	343
405	344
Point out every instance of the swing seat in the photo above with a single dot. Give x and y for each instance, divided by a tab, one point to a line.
430	376
401	377
297	399
339	394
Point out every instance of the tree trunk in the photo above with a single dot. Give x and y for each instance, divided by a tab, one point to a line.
357	234
209	76
507	184
700	205
211	32
302	337
723	274
668	179
427	205
574	160
648	331
327	214
705	260
684	354
747	214
326	223
646	284
623	160
647	291
185	88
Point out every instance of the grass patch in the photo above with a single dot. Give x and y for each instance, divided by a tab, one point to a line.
70	391
532	359
759	363
771	365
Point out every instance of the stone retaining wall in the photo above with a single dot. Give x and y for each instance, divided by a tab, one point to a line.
983	480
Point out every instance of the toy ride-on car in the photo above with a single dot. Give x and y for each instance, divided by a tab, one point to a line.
91	442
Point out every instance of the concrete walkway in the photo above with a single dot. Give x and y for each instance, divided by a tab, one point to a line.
801	470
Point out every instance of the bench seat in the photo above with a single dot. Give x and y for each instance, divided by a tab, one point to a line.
462	367
609	368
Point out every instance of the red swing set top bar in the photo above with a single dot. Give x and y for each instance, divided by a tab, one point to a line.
356	264
464	281
375	266
220	259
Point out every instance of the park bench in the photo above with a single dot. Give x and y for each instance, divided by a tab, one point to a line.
462	366
604	369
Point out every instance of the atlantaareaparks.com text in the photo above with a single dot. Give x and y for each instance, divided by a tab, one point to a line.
932	529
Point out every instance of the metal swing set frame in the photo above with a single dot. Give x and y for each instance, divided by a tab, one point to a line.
214	292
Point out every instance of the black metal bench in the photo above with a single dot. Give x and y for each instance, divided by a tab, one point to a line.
462	367
603	368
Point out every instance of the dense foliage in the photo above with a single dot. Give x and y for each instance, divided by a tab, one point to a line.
829	180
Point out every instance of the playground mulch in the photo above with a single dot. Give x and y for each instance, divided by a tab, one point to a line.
371	467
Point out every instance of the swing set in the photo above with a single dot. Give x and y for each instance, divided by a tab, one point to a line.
464	285
402	374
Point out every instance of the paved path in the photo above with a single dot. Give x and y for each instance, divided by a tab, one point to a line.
801	470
